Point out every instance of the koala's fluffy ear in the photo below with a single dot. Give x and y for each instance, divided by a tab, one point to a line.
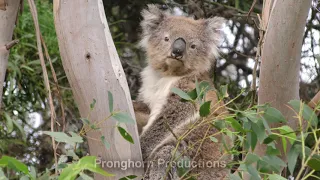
152	17
214	26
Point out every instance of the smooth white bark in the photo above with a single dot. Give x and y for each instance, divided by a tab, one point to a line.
93	67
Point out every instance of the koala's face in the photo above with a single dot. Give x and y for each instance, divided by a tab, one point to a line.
177	45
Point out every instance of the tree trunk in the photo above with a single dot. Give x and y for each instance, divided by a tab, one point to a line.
7	23
93	67
280	59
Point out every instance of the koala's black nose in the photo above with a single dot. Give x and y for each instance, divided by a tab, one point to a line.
178	48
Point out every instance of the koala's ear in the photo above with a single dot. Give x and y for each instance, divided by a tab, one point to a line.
213	28
215	24
152	17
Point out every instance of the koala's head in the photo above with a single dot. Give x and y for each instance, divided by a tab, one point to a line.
177	45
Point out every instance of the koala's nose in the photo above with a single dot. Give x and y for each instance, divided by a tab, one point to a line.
178	48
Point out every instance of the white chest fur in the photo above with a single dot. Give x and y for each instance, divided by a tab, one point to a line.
154	92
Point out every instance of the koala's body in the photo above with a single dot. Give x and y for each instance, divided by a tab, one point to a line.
179	50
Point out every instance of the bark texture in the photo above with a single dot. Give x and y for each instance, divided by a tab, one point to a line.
281	55
7	23
93	67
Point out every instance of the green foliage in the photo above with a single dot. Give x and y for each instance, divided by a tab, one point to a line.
85	163
252	127
63	137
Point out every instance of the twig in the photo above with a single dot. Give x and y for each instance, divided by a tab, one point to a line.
251	8
9	45
34	13
56	83
258	55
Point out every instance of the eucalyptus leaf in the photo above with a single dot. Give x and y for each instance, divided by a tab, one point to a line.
125	135
181	94
63	137
110	99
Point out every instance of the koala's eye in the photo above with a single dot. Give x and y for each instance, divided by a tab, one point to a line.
166	38
193	46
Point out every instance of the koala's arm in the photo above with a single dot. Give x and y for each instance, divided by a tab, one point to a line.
142	112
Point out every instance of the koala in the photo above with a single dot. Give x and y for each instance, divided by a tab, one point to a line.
179	51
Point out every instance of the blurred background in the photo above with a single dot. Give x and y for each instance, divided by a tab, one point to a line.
24	99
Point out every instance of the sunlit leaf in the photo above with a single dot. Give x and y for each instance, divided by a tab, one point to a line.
14	164
63	137
85	163
123	118
181	94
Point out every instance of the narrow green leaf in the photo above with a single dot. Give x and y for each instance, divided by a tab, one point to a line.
213	139
125	134
85	163
292	158
105	142
27	68
93	104
63	137
288	131
259	130
205	109
181	94
235	124
9	122
23	133
123	118
110	98
252	140
89	163
128	177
